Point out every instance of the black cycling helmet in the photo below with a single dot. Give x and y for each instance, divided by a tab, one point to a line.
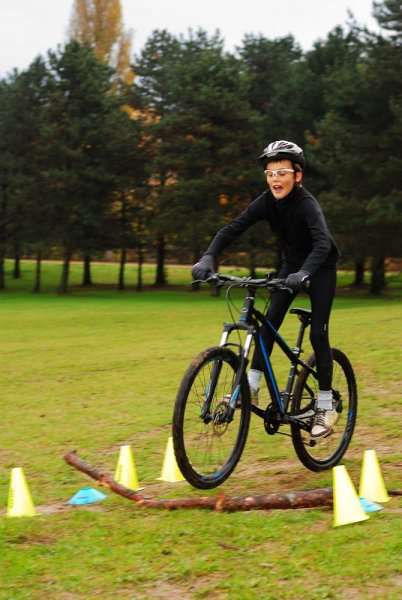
282	149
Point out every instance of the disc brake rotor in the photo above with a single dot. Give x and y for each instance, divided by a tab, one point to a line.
220	424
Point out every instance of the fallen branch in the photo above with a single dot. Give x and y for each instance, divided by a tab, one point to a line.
302	499
219	503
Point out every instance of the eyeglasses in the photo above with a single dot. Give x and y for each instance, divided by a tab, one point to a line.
279	173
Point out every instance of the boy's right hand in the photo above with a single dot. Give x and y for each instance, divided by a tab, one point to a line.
204	268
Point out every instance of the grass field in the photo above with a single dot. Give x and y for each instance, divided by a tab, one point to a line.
97	369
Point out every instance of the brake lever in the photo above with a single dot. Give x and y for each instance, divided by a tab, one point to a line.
211	279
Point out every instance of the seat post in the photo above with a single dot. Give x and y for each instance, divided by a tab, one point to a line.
305	320
299	342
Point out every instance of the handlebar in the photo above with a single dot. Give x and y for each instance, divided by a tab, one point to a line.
220	279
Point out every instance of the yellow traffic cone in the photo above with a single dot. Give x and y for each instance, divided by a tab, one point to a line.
20	502
347	508
126	473
170	469
371	481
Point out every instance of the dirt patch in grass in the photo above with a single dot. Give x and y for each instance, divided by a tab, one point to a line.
31	539
284	475
185	591
60	507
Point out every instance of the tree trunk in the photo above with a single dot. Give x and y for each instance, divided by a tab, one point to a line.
140	263
123	257
359	272
38	265
160	261
377	275
63	287
87	279
2	270
3	233
123	249
17	262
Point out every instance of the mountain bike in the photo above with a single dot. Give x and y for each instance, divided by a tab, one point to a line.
212	409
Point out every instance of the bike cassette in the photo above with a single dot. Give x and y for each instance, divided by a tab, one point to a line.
271	420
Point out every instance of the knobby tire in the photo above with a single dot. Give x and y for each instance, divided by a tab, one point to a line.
326	452
208	451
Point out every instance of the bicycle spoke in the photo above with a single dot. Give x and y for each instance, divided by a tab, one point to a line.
323	453
209	445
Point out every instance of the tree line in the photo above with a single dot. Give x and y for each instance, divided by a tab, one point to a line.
154	166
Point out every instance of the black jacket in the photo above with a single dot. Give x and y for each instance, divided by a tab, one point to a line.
297	221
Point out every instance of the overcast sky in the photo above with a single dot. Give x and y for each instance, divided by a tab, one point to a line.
32	27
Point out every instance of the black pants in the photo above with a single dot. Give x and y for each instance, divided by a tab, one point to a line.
321	292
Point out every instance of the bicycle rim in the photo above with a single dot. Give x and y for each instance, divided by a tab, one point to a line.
207	449
322	454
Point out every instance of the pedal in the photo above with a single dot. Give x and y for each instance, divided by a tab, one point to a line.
303	416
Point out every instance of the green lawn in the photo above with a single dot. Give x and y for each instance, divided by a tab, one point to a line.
97	369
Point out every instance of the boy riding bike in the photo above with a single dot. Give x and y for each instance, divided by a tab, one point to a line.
309	256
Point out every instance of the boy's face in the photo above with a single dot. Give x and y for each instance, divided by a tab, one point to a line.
281	184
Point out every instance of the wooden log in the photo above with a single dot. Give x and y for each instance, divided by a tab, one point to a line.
219	503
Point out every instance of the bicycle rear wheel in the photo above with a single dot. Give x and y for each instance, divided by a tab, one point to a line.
324	453
207	446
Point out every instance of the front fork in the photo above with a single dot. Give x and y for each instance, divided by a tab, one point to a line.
244	352
233	395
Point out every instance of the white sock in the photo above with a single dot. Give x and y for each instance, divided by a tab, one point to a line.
254	378
324	399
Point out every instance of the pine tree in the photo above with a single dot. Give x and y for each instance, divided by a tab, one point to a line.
389	15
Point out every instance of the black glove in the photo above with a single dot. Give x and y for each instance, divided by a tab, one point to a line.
298	281
204	268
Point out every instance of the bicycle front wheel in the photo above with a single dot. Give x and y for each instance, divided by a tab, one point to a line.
325	453
207	444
